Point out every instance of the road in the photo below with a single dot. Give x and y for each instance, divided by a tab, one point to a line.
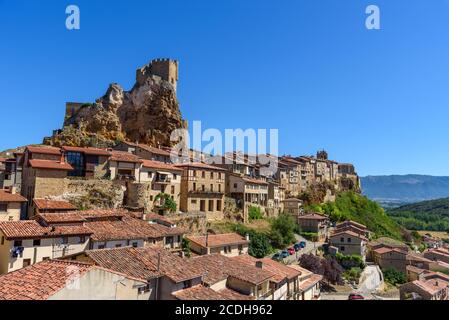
310	247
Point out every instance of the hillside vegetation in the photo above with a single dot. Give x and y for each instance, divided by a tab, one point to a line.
353	206
430	215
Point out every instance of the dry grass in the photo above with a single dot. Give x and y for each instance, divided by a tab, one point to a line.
436	234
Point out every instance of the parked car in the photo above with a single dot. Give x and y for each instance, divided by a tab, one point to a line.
303	244
356	296
297	247
291	251
285	254
277	256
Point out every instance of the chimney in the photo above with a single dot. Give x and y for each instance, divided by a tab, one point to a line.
13	190
259	264
247	237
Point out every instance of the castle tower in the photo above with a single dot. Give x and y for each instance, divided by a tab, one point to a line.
166	69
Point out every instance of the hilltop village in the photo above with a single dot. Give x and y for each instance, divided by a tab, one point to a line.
103	202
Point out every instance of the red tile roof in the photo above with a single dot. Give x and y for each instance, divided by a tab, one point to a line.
40	281
198	165
99	214
66	217
198	292
44	150
7	196
313	216
149	149
351	233
31	229
122	156
217	267
88	150
219	240
280	271
50	164
310	282
160	165
229	294
350	222
44	204
254	181
143	263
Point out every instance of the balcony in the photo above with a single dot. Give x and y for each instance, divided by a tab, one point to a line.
126	177
162	180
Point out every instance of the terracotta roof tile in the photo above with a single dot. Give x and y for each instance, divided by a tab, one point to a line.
88	150
44	150
40	281
351	233
142	263
7	196
254	181
32	229
218	240
44	204
50	164
350	222
66	217
218	267
313	216
160	165
150	149
310	282
198	165
198	292
122	156
229	294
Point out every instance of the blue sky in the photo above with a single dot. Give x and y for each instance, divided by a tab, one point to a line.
309	68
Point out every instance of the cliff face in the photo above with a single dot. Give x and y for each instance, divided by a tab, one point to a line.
148	113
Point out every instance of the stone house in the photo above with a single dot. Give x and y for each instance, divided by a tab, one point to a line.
7	170
70	280
399	260
309	287
155	178
24	243
52	206
202	189
293	207
10	204
247	192
124	166
315	223
439	254
87	162
229	244
44	174
428	286
353	226
276	197
349	243
145	152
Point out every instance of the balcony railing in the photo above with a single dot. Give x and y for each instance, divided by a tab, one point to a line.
162	180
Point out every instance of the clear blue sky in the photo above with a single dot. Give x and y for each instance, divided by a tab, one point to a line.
310	68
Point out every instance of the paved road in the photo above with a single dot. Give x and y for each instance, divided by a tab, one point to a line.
310	247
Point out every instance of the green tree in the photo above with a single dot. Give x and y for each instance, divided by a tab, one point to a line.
254	213
185	244
282	231
167	202
259	245
394	276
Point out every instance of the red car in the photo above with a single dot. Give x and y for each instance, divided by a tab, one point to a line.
291	251
355	296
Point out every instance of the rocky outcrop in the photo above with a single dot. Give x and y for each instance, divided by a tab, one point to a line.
148	113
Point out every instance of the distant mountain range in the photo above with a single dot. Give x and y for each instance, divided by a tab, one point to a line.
396	190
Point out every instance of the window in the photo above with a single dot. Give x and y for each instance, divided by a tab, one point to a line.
11	219
175	176
194	173
212	187
203	174
36	243
187	284
17	243
193	201
151	198
65	240
3	207
219	188
194	186
26	263
342	239
118	245
218	205
342	248
211	205
82	239
172	189
203	187
349	239
135	244
76	160
45	258
3	240
101	246
235	185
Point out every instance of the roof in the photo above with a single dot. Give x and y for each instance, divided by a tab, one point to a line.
149	149
229	294
7	196
279	270
254	181
160	165
313	216
157	217
50	164
431	286
350	222
198	165
198	292
216	267
103	213
122	156
41	280
348	232
88	150
66	217
416	257
143	263
44	204
310	282
31	229
218	240
44	150
383	250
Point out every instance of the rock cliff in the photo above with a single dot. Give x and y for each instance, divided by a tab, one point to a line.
148	113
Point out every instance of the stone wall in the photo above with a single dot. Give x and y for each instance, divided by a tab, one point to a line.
194	223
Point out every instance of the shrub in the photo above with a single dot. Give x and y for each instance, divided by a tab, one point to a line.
254	213
282	231
186	247
350	261
259	246
352	274
311	236
394	276
167	202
